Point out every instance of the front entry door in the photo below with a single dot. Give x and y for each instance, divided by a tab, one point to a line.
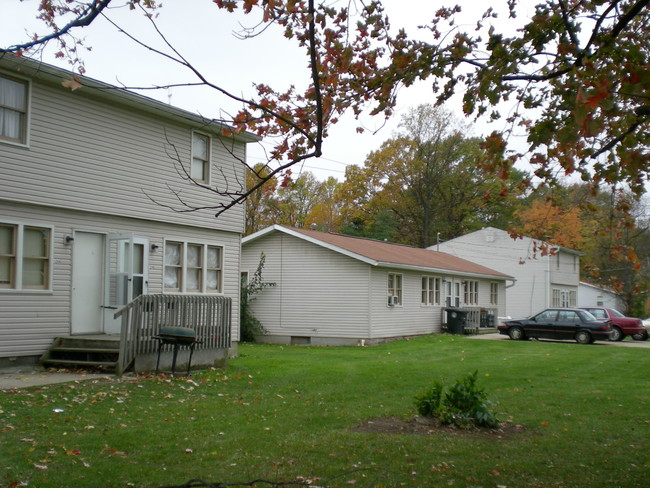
87	283
128	262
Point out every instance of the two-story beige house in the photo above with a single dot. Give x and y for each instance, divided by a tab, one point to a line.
89	177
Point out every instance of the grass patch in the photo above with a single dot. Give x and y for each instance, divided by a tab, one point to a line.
281	413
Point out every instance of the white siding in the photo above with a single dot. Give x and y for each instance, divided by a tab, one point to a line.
495	249
29	320
319	293
85	154
411	318
565	269
593	296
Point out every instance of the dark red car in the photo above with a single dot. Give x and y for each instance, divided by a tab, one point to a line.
622	325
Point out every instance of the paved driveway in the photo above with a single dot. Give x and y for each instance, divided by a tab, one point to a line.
624	343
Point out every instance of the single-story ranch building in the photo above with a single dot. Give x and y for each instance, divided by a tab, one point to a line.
332	289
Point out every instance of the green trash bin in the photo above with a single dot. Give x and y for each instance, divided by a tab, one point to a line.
456	320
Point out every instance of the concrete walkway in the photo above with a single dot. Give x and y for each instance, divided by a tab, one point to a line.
26	376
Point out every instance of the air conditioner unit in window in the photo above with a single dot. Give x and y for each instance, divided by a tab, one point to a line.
392	301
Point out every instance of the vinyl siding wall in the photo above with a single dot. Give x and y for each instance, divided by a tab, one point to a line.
495	249
85	154
565	270
29	320
412	317
318	292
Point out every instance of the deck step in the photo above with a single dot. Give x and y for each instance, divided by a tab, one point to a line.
82	353
77	362
89	350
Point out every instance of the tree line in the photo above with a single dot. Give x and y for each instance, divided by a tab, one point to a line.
426	184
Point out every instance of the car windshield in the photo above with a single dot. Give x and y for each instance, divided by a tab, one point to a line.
616	313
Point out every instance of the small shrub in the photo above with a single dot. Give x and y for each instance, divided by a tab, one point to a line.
464	404
428	404
249	326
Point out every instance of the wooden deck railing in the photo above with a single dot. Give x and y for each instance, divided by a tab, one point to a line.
142	319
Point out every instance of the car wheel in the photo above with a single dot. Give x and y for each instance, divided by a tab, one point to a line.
617	334
642	336
583	337
516	334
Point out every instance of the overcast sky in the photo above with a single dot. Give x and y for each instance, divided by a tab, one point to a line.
204	35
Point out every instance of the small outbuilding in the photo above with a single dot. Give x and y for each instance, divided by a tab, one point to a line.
332	289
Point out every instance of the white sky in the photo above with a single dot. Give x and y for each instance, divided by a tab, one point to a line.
204	35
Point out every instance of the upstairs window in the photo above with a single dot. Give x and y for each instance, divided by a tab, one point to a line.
200	170
13	110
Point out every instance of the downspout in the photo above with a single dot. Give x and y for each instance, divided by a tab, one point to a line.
548	281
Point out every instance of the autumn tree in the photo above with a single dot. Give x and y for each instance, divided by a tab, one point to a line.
427	181
295	200
616	243
257	211
325	214
549	222
574	77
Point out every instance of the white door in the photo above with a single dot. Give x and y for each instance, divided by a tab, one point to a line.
127	263
87	283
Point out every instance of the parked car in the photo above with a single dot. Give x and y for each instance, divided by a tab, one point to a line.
558	323
644	335
621	324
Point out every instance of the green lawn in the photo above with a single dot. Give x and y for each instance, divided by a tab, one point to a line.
280	413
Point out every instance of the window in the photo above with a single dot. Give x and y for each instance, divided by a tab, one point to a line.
395	287
430	290
213	272
13	110
470	289
200	170
494	293
563	298
192	268
24	257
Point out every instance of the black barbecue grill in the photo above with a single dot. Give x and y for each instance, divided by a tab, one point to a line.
177	337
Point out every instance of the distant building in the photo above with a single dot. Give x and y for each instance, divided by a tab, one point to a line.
333	289
541	280
594	296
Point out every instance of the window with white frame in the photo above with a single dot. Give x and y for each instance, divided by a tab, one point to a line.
470	295
25	257
200	170
494	293
395	287
431	290
13	110
193	268
563	298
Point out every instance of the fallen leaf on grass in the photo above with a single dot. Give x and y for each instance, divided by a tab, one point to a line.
113	452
